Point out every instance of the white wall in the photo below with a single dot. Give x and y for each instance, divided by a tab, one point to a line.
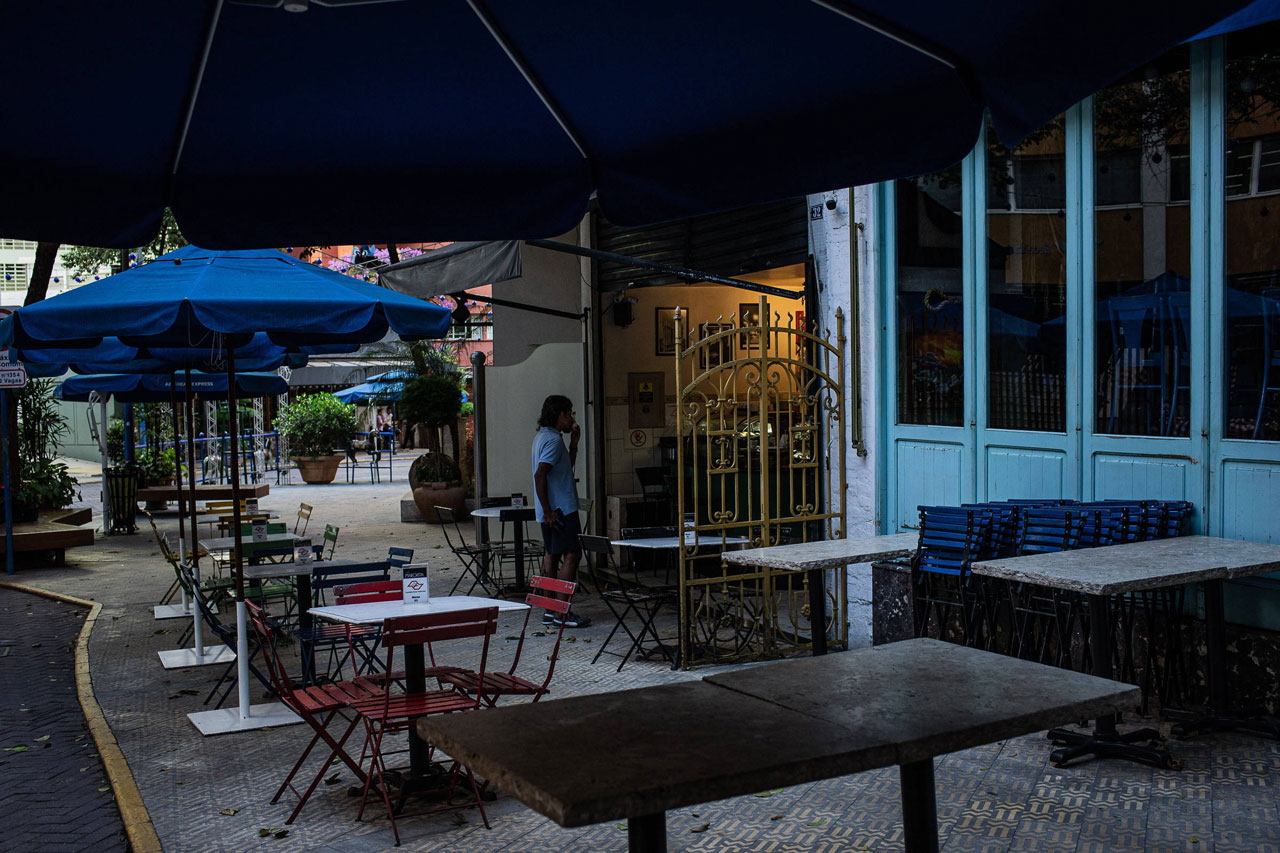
833	237
515	394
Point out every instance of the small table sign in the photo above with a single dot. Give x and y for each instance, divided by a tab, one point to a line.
259	531
415	586
517	501
302	552
251	506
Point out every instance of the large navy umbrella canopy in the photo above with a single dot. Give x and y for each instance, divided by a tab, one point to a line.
143	388
383	386
112	356
196	298
479	119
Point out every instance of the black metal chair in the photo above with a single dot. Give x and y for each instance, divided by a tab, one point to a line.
476	560
227	635
627	596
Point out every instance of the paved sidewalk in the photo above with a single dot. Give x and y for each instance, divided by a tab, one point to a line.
212	793
54	795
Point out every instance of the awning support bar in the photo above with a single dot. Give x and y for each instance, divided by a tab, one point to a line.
688	275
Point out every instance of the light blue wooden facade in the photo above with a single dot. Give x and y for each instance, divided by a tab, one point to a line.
1234	483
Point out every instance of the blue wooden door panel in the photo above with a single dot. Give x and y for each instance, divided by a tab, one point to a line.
1138	477
1251	501
928	473
1020	472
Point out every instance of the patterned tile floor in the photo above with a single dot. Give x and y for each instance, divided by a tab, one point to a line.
1000	797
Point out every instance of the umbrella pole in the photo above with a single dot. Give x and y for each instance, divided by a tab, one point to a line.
8	491
197	624
182	534
242	613
102	448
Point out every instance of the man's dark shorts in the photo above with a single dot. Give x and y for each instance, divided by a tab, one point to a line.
563	539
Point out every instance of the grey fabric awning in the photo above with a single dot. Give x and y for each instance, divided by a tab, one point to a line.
454	269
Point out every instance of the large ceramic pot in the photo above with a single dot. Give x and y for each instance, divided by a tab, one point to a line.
428	496
318	469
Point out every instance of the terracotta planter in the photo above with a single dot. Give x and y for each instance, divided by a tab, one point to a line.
318	469
432	495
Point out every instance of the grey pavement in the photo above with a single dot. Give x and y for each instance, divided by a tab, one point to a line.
1000	797
54	794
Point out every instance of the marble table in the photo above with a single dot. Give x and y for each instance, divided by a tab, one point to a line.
636	754
814	558
668	543
1099	573
204	492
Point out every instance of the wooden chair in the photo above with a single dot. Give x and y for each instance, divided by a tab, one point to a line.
393	713
495	685
304	518
316	705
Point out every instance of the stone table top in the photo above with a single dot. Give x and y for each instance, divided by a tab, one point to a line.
374	612
828	553
1138	565
609	756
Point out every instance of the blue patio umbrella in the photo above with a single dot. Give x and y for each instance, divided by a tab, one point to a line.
502	118
220	300
383	386
158	388
112	356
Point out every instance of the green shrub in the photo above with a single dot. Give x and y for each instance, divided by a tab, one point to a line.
316	424
431	400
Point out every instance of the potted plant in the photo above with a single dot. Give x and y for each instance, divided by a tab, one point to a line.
314	425
433	477
434	400
155	466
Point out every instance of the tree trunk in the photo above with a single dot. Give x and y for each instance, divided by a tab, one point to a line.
41	271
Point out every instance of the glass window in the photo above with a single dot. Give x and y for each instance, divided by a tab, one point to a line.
1142	252
930	316
1252	249
1026	282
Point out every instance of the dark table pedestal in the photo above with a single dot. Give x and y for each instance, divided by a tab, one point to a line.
1106	741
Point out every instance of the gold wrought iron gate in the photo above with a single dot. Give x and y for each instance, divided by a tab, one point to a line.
761	456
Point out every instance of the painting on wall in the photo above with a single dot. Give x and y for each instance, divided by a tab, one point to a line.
721	352
665	325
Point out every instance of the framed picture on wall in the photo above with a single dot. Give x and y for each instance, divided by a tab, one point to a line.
749	322
721	352
665	328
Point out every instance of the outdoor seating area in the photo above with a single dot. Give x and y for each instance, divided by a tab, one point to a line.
722	455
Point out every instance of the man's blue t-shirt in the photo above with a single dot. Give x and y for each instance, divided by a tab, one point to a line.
561	493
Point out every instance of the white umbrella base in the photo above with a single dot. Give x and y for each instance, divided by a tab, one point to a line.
227	720
172	611
179	658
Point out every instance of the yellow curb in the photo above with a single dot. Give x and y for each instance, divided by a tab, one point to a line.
137	821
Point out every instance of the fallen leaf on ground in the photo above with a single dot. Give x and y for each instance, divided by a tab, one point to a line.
776	817
816	823
703	827
228	812
22	747
43	737
332	780
104	789
459	818
187	691
280	833
768	793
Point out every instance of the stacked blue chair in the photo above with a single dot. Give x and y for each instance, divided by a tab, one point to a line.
951	538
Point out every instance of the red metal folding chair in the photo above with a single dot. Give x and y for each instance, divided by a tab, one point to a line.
317	706
498	684
392	713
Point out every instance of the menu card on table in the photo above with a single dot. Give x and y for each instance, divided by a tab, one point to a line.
302	552
517	501
415	585
259	531
251	506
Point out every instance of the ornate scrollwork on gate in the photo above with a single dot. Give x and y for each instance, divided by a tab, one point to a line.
761	451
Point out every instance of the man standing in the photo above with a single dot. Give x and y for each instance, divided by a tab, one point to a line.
556	503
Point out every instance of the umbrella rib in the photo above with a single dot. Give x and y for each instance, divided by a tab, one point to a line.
858	16
194	92
529	77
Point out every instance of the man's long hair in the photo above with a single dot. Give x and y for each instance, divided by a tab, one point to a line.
552	408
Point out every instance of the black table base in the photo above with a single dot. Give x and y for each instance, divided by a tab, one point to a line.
647	833
1104	743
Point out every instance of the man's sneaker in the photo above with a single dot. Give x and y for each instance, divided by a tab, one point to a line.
570	620
548	618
